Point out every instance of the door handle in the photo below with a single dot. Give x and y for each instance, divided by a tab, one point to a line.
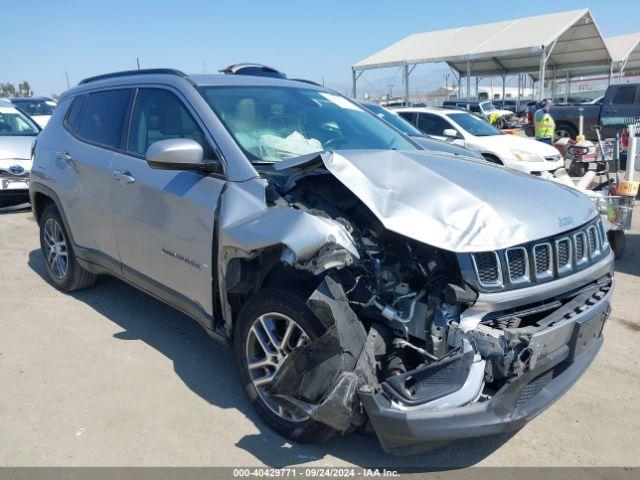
123	176
64	156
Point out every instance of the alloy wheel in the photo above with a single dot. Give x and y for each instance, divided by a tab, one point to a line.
55	248
270	340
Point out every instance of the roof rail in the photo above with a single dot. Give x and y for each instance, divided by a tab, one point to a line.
126	73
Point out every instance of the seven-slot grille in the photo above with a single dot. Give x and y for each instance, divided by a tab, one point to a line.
556	256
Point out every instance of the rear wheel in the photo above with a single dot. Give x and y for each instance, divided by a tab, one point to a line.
270	325
60	261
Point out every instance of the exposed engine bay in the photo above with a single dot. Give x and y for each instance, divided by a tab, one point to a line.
394	310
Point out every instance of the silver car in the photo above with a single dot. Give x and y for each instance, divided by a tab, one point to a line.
17	133
360	279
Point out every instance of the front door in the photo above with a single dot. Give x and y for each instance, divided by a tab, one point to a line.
621	111
164	219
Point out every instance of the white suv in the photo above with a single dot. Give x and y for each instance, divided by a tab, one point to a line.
467	130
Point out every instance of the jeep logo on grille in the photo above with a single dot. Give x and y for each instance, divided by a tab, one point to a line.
16	170
565	221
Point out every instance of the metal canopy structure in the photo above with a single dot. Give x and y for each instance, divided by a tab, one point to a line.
625	54
558	41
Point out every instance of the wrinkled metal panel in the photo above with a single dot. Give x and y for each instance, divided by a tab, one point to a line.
428	198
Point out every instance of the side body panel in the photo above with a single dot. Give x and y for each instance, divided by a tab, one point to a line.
164	225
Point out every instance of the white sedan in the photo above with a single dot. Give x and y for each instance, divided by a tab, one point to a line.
464	129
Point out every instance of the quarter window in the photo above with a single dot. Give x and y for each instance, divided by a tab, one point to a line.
103	117
74	112
159	115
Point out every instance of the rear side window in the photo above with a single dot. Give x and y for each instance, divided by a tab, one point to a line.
73	115
432	124
103	117
624	96
160	115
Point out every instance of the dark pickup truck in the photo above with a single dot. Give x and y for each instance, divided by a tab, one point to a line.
619	107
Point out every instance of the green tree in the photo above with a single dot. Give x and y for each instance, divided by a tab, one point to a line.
7	90
24	89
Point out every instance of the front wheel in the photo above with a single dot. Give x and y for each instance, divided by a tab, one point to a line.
617	240
270	325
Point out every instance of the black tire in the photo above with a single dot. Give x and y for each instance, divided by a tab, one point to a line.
286	303
617	240
577	169
75	277
564	130
492	158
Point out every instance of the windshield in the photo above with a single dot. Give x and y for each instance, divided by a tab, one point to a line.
35	107
394	119
474	125
276	123
487	106
14	122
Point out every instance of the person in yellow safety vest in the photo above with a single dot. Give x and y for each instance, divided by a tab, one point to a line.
493	118
545	126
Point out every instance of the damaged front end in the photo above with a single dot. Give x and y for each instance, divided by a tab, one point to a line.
423	343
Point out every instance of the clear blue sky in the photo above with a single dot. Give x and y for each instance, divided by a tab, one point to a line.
41	39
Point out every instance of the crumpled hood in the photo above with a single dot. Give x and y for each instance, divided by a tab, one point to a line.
16	147
458	204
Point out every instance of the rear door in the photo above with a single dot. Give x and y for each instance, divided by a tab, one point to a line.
94	132
164	219
621	108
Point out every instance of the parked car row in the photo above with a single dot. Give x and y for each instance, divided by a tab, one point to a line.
361	278
468	131
17	133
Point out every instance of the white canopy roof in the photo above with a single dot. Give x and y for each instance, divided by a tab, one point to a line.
624	51
511	46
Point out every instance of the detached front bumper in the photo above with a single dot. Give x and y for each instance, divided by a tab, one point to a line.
409	429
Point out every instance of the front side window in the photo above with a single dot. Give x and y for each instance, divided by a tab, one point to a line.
103	117
432	124
474	125
159	115
275	123
486	106
13	122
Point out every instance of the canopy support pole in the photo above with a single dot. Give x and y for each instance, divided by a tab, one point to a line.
519	88
504	87
610	73
568	87
354	80
406	84
553	85
543	65
477	92
468	79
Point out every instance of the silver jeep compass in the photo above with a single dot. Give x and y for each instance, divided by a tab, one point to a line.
360	279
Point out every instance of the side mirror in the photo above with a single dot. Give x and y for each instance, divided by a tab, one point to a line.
176	154
451	133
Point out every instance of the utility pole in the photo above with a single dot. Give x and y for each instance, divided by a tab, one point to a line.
66	74
138	62
323	79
